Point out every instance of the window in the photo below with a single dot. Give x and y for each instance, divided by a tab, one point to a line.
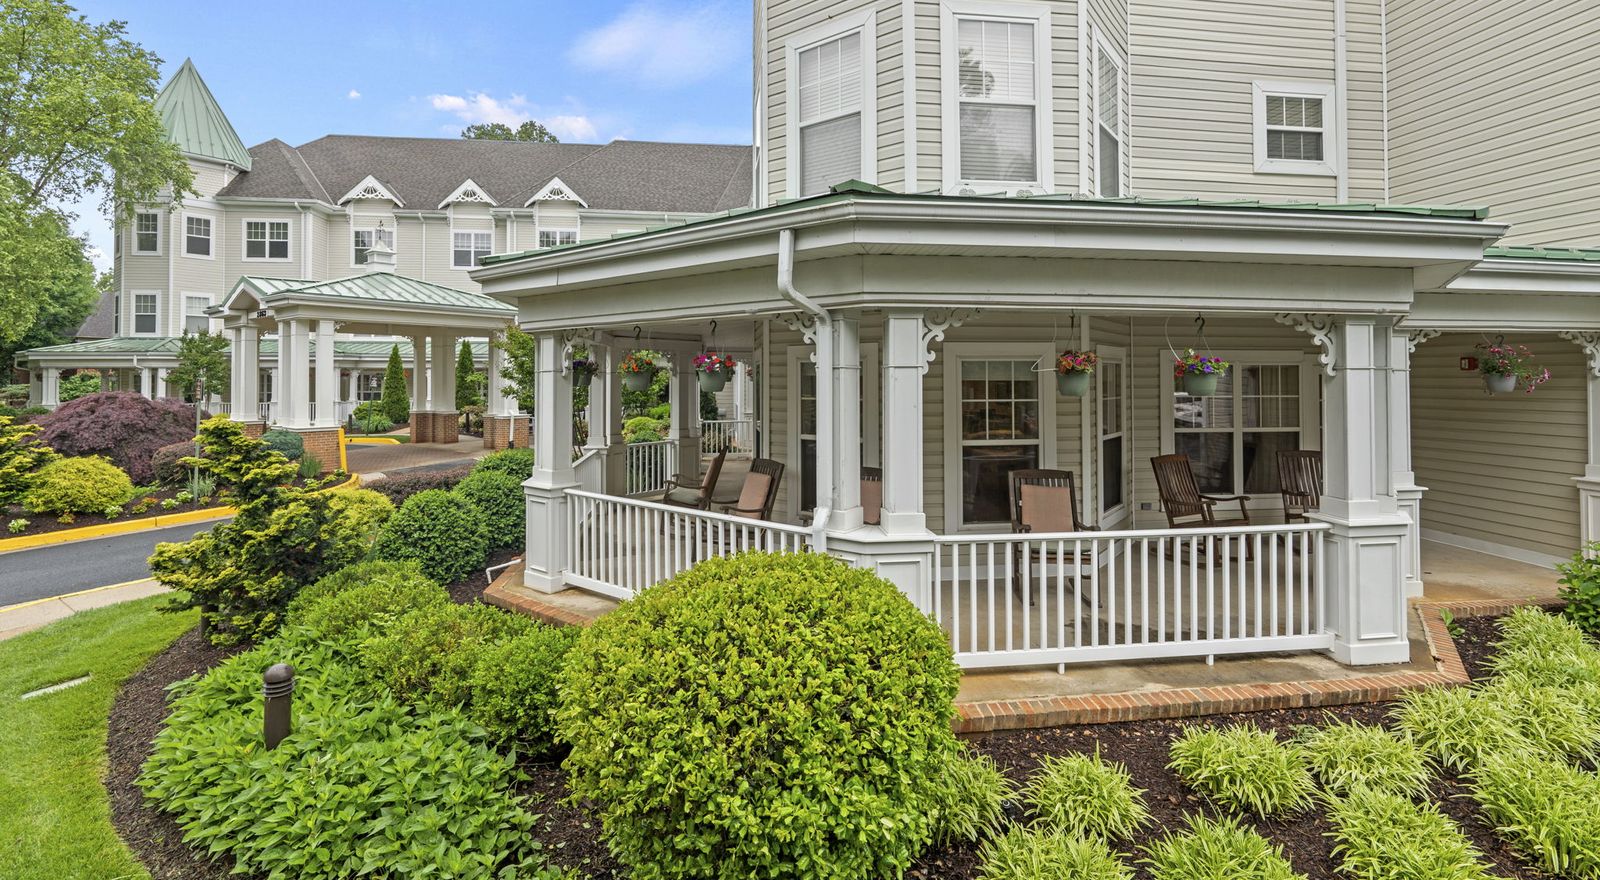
1233	438
1000	433
146	233
116	314
264	387
144	314
195	319
1113	448
363	240
829	113
549	238
197	236
467	248
1108	121
266	239
998	97
1294	130
369	386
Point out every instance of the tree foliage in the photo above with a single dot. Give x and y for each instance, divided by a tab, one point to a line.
202	358
393	401
499	131
120	425
469	384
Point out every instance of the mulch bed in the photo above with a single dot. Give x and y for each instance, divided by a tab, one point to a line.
47	522
570	835
470	588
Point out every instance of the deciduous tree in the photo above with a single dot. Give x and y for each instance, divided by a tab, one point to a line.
499	131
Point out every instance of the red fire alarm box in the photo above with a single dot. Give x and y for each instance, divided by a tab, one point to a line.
1469	364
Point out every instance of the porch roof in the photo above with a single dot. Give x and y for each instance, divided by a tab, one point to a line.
372	287
1527	252
167	346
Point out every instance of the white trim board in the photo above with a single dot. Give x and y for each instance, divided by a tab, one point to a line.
863	22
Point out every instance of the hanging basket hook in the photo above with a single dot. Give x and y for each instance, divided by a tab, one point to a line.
636	331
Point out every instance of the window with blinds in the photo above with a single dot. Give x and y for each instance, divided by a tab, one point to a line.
1108	119
999	105
830	95
1294	128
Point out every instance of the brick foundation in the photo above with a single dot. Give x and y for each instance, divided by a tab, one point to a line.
435	427
254	429
505	432
324	444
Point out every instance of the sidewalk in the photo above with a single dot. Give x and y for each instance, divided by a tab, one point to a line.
28	616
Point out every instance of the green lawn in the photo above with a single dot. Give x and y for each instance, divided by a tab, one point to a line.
57	819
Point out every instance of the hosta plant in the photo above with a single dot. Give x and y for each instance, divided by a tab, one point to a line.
1085	796
1244	768
1347	755
1023	854
1220	849
1385	836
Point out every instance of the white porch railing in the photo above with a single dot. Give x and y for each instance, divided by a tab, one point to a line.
1027	600
619	546
735	435
650	465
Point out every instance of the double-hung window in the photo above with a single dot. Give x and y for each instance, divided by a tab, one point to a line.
197	236
266	239
1108	121
147	233
144	314
1113	434
829	114
116	314
998	98
363	240
549	238
1000	431
1294	128
195	319
1233	438
467	248
370	386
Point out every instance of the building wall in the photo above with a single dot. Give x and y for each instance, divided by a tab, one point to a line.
1492	104
1499	469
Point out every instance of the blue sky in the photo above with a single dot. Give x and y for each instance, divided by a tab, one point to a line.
590	71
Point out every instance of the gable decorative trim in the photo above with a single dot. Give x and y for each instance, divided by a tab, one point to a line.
469	191
556	191
371	188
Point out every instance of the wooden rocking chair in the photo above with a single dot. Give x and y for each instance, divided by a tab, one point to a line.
1043	502
677	494
758	493
1185	505
1300	481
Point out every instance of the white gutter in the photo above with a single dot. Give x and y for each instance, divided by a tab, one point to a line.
824	342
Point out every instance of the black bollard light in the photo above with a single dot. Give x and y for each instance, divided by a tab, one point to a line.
277	685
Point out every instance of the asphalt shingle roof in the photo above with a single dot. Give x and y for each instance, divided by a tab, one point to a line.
101	323
621	175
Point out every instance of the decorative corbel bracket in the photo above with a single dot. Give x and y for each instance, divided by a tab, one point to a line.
570	339
806	326
1589	341
935	324
1321	329
1418	336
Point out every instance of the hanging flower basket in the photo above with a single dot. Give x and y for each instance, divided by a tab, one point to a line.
637	370
582	372
1199	374
713	370
1506	368
1073	371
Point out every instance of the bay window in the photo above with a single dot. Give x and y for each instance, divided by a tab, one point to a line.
1108	120
1113	434
144	314
146	233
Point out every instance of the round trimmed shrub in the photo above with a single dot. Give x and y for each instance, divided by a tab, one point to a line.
428	654
367	596
516	463
78	485
498	496
288	443
442	531
513	686
166	464
358	515
762	715
120	425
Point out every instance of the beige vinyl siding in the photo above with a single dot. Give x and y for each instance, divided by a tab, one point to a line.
1504	118
1192	69
233	254
929	66
1065	93
209	177
196	275
321	245
1364	67
891	134
1499	469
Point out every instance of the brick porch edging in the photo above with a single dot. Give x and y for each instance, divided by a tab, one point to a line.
997	715
517	603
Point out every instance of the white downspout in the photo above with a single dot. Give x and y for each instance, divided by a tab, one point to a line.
824	342
1341	100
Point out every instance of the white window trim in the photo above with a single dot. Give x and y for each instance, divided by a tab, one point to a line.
133	229
455	232
1332	137
1124	151
1310	408
183	300
133	312
1036	14
214	238
539	231
359	224
1113	354
863	22
244	240
956	352
871	426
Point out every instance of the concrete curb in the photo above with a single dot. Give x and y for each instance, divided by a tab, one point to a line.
28	616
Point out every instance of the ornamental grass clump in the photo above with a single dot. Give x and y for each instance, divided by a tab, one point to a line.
762	715
1555	721
973	797
1348	755
1547	809
1220	849
1023	854
1382	835
1529	629
1085	796
1457	727
1244	768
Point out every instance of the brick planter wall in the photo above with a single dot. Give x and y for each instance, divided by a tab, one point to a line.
254	429
505	432
324	444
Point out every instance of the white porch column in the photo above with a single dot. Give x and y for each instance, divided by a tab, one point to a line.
902	424
1363	566
245	384
159	389
442	378
327	377
545	554
1408	494
846	504
1589	483
50	387
294	373
419	373
496	401
685	426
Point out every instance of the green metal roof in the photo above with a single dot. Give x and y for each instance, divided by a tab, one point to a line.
384	287
1515	252
196	123
855	190
136	345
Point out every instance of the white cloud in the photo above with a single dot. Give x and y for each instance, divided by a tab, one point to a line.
476	107
573	129
354	95
657	44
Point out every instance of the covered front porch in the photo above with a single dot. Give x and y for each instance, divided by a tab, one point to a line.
903	352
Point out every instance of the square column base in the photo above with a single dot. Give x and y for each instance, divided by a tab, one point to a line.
322	443
1364	593
1588	509
1411	505
435	427
544	554
905	561
505	432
